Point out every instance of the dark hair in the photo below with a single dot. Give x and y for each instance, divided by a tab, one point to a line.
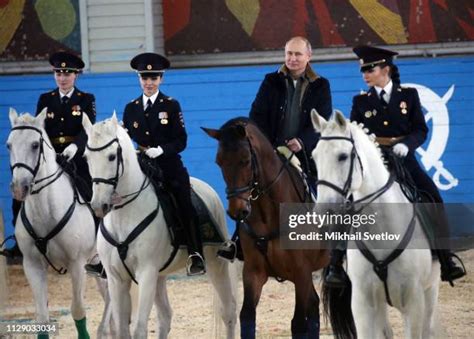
394	74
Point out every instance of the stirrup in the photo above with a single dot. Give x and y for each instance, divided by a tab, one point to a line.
189	265
228	250
463	269
91	269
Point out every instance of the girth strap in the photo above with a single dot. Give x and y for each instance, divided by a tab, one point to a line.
381	266
42	243
122	247
261	243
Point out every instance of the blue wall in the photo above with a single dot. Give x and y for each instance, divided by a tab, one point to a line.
211	96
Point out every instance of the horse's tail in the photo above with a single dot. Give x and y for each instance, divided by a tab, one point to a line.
337	306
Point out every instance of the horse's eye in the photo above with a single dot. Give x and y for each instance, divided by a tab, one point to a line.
112	157
35	145
342	157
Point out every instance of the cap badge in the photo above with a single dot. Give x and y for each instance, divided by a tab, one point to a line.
63	64
148	67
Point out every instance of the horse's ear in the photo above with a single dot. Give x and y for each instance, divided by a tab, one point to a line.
13	115
114	118
86	123
340	119
40	118
213	133
319	123
241	131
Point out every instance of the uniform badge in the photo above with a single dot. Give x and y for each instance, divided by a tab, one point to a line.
135	124
181	119
403	106
164	121
374	112
163	115
50	115
161	100
76	110
79	93
368	114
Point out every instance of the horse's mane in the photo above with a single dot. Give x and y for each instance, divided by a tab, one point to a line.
230	136
102	132
354	125
26	118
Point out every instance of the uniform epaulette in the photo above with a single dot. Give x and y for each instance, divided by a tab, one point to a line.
363	93
170	98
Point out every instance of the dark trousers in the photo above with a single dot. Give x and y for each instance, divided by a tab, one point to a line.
176	179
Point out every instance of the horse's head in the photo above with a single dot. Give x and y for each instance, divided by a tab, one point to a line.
104	156
26	146
235	157
339	166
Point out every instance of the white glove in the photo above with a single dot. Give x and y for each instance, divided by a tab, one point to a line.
69	152
154	152
400	150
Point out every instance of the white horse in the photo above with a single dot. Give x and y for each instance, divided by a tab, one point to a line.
111	155
350	162
50	211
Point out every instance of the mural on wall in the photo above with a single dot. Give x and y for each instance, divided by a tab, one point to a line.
213	26
32	29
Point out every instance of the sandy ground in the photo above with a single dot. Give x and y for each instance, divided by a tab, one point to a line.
192	303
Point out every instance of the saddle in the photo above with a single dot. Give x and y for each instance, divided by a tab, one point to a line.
208	227
287	155
423	202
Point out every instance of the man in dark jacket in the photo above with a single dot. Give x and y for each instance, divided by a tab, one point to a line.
282	107
282	111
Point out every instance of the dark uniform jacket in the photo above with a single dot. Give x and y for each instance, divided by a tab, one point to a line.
402	118
64	121
269	107
162	125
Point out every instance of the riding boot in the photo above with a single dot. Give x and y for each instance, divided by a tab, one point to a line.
96	270
232	249
450	271
195	264
335	276
12	252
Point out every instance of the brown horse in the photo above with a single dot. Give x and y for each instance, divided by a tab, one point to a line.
258	180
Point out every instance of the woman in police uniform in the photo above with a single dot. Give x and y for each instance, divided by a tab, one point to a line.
63	123
155	122
393	113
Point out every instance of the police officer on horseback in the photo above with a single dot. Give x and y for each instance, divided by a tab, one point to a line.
155	122
393	113
63	124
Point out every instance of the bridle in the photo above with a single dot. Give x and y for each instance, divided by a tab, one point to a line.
114	180
345	190
118	173
254	187
34	171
